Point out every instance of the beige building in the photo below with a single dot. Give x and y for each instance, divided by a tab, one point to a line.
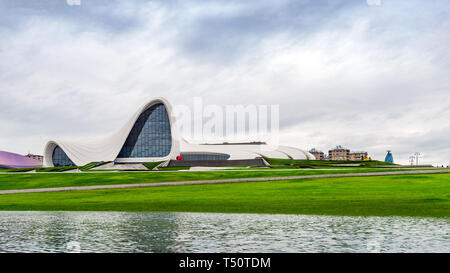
343	154
357	156
319	155
339	154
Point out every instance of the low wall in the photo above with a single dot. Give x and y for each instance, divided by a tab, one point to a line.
215	163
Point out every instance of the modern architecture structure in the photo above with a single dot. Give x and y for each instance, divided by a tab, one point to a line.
150	136
16	161
389	158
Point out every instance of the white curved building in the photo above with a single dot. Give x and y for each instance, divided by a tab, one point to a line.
149	136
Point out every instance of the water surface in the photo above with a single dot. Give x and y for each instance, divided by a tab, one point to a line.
216	232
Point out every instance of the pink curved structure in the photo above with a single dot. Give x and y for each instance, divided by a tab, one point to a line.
15	161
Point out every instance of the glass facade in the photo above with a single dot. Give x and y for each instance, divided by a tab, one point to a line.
60	158
204	156
150	136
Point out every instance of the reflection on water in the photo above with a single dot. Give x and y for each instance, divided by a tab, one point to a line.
214	232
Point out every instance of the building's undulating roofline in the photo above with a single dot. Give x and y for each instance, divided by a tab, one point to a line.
237	143
108	148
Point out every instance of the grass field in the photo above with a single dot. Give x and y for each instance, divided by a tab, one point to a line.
47	180
405	195
318	164
274	164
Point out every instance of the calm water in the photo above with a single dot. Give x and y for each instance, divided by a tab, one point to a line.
213	232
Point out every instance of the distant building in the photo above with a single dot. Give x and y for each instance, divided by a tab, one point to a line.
39	158
343	154
339	154
389	158
319	155
357	156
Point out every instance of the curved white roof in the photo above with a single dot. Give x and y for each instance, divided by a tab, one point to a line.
107	149
247	151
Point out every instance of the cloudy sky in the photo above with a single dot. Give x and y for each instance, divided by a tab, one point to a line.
368	77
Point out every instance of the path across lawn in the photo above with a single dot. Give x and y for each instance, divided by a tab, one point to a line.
218	181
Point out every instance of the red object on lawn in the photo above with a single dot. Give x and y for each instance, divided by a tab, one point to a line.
179	157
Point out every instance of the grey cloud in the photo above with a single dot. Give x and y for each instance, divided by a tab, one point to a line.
224	37
371	78
92	15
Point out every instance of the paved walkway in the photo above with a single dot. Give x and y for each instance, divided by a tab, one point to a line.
237	180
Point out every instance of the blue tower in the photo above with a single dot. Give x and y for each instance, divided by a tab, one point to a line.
389	158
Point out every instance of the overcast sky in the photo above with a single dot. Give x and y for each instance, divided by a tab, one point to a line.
368	77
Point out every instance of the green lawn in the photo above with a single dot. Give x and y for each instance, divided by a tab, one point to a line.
318	164
406	195
47	180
